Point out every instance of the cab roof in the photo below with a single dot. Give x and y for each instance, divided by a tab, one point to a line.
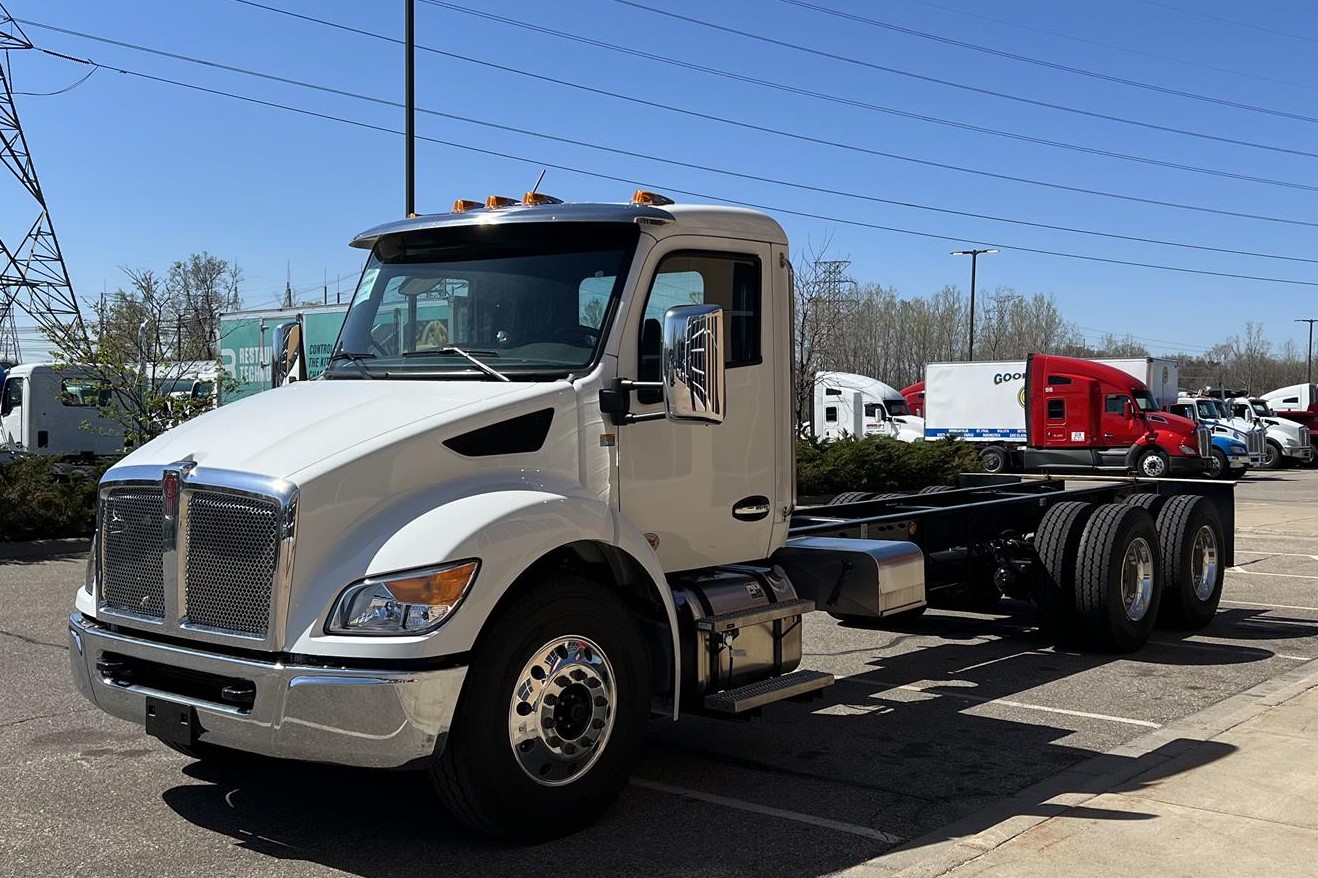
700	219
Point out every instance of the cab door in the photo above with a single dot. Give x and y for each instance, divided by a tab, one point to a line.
706	494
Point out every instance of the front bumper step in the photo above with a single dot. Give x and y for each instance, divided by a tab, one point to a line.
755	695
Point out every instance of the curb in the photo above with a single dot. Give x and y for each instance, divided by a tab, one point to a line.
970	837
45	549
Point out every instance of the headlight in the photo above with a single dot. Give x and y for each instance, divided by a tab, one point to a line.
410	602
1188	451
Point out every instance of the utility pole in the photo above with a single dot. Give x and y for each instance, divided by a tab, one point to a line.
974	258
1309	359
409	88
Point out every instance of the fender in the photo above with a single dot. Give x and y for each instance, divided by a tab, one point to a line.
507	529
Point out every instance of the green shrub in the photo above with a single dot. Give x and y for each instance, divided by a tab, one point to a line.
41	499
877	463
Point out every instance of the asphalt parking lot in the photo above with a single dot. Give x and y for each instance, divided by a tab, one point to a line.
925	727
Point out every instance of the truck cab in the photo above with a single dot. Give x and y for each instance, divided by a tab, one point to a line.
856	405
1287	441
57	411
1085	416
914	396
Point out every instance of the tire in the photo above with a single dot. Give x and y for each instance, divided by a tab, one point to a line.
1272	456
1191	538
994	459
1153	464
1151	502
849	497
1056	541
1117	586
541	788
1218	466
890	495
934	489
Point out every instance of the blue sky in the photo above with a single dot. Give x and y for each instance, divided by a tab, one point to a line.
139	173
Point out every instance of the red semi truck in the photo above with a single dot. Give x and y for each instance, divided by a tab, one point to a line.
1061	414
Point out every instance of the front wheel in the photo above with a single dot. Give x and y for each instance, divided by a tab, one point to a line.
1153	464
551	716
1218	466
1272	456
994	459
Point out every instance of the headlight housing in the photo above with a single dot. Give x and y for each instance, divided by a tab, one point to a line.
409	602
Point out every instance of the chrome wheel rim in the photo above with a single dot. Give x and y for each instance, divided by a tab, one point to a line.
1153	466
562	710
1137	579
992	463
1215	466
1203	563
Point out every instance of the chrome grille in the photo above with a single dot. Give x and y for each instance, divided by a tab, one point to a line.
1204	439
132	546
230	551
1255	443
1304	436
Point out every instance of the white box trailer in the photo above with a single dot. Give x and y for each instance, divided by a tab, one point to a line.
977	402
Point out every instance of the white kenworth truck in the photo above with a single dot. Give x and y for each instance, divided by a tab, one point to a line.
494	547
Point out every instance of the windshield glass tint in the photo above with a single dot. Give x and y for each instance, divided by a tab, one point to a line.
897	407
1260	407
1145	401
1208	409
521	297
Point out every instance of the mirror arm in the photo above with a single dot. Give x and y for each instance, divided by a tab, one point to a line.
616	401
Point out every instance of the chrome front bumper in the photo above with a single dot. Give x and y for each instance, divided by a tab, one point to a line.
371	718
1298	452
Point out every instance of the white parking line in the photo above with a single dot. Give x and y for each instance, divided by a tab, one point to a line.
1269	606
752	807
928	690
1283	554
1259	573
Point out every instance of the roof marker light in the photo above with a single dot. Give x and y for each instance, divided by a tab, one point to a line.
494	202
462	205
650	199
533	199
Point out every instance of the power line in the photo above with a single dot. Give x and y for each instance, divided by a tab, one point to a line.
1231	21
541	163
963	13
1065	68
633	52
804	187
67	88
962	86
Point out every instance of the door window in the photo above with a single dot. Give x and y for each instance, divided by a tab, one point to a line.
13	397
1115	405
729	281
830	414
1056	409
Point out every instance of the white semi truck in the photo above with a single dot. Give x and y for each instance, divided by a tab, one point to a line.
1287	441
494	557
857	405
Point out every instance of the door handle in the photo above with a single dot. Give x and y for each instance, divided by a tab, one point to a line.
751	508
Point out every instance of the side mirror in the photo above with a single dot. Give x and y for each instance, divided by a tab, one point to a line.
288	362
693	367
1130	410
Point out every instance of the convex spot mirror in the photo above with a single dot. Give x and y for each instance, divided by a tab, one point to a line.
693	366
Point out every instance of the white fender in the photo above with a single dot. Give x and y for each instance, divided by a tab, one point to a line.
507	530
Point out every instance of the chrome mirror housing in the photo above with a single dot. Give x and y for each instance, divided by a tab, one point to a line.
288	361
693	367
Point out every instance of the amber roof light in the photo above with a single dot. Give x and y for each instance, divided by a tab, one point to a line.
650	199
462	205
534	199
494	202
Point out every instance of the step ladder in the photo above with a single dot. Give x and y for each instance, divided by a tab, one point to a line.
798	684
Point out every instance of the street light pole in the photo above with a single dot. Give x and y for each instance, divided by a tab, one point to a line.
1311	321
974	259
409	88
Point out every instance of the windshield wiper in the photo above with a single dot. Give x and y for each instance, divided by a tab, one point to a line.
450	351
356	360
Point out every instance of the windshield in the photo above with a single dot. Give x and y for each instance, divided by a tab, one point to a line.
1145	401
897	407
528	299
1260	408
1208	409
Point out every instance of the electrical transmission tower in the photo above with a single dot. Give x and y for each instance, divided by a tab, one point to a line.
32	271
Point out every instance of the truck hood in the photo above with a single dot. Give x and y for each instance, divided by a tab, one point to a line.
280	432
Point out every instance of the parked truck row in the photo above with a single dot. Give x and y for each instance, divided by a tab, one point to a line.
494	556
